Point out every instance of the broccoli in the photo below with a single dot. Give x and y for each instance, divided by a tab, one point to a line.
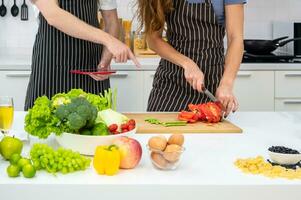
100	129
78	114
59	99
86	132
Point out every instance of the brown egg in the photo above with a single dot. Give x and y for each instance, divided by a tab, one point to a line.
176	139
159	160
172	152
157	143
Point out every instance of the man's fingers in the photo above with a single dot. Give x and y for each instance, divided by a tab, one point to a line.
134	59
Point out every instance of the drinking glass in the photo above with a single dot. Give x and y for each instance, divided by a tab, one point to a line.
6	114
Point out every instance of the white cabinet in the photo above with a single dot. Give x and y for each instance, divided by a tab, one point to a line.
288	84
148	78
14	84
129	86
288	104
288	91
255	90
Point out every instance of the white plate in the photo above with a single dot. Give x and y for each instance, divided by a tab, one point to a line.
86	144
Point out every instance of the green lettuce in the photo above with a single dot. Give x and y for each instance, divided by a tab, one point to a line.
40	121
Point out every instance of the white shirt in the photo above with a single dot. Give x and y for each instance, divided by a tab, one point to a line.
103	5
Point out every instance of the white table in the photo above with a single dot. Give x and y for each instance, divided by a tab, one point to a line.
206	171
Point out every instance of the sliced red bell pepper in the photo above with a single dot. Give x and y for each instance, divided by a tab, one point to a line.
188	116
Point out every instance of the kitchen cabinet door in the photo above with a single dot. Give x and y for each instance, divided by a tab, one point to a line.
148	84
255	90
288	105
14	84
288	84
129	86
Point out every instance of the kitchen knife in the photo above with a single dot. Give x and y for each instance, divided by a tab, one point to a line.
209	94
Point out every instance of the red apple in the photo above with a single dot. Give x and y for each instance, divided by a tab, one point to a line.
130	150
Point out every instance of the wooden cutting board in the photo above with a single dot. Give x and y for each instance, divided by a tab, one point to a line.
199	127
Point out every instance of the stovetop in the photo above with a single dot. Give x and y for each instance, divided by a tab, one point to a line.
270	58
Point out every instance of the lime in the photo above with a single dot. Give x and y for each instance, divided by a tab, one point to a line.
23	161
13	170
28	171
14	159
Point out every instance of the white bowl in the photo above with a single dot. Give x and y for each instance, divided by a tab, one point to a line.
86	144
285	159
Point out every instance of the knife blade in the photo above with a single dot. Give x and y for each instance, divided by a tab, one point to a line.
210	95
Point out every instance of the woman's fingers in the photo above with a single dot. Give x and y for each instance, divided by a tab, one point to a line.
195	84
200	83
236	105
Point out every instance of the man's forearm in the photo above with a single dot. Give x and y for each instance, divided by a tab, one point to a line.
71	25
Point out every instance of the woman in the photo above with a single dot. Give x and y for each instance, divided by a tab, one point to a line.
69	38
194	53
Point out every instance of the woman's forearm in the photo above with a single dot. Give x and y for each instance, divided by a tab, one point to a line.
234	29
232	61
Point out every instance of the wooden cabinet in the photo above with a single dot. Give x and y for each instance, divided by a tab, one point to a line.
255	90
14	84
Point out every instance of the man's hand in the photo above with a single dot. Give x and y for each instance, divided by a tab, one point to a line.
104	64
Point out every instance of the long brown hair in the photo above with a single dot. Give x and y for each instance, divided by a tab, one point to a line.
151	14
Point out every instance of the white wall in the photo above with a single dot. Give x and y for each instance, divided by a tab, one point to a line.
16	36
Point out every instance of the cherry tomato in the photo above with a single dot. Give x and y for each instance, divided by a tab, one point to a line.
124	126
131	127
124	130
132	122
113	127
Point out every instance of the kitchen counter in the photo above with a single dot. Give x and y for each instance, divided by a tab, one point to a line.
206	170
149	64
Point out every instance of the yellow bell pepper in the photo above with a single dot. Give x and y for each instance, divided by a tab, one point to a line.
107	160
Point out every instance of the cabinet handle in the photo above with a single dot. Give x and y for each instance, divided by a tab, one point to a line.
290	102
18	75
241	74
121	75
293	75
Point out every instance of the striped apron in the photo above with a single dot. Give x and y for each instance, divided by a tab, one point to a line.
55	54
193	30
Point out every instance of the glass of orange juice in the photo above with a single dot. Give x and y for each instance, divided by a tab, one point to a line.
6	114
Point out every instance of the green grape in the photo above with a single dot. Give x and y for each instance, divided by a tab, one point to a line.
71	169
37	164
60	160
64	170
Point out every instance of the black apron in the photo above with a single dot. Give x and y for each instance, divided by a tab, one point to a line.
55	54
193	30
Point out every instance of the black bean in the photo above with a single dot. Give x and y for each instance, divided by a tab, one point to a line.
284	150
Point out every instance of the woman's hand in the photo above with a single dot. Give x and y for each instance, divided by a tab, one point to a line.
104	64
193	75
224	94
121	52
